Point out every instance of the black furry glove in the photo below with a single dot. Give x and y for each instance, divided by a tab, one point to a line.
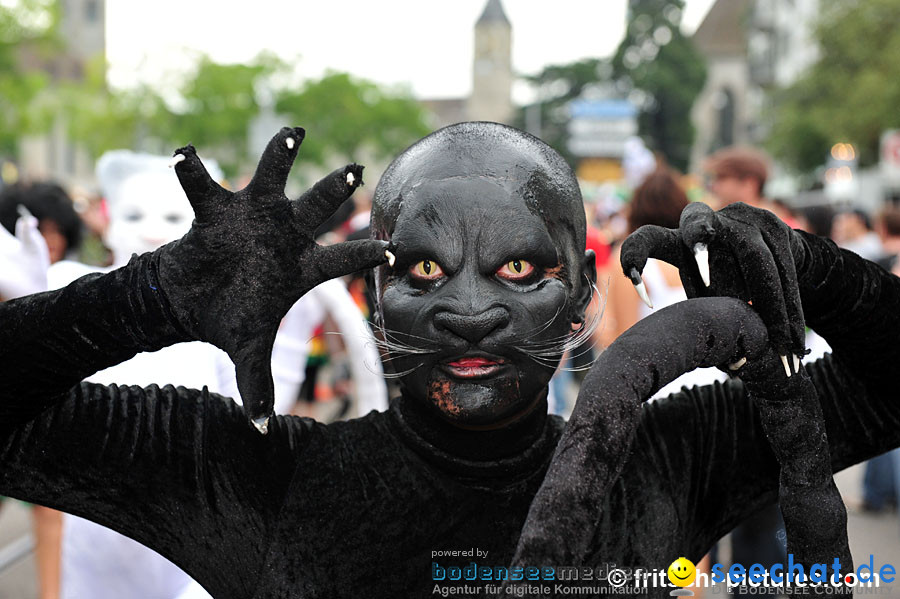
742	252
815	517
564	515
250	255
739	251
748	253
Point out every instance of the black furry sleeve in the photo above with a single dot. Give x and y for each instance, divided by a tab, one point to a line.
180	470
51	341
855	305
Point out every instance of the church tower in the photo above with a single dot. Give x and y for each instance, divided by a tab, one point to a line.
82	28
492	76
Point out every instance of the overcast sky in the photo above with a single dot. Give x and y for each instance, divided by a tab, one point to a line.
426	44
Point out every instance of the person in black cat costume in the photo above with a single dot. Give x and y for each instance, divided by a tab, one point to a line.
487	283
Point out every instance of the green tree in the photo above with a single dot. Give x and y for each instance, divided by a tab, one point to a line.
219	101
344	115
211	108
102	119
850	94
215	105
659	68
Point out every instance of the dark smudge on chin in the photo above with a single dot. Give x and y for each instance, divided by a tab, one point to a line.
440	395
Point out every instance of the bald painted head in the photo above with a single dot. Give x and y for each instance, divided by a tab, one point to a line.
491	275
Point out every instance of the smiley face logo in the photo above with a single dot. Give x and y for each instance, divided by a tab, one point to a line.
682	572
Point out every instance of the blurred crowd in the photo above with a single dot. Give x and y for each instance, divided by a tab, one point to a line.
326	362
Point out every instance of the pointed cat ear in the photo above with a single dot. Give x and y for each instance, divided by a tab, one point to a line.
116	166
113	168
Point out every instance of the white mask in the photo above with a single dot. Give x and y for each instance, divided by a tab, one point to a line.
147	207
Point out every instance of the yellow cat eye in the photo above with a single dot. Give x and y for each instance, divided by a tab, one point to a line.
426	269
516	269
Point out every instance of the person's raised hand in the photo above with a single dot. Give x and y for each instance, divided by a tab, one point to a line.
250	255
24	258
739	251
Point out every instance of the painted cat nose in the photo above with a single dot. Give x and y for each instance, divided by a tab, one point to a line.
473	328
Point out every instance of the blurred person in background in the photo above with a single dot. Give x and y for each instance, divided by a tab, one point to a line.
94	213
739	174
888	229
26	208
637	162
659	201
49	203
887	225
818	220
853	230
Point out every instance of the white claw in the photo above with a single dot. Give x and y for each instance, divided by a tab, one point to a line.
701	255
787	367
796	363
175	160
390	257
738	364
262	424
642	293
350	180
289	141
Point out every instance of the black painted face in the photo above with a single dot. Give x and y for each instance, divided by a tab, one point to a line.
481	288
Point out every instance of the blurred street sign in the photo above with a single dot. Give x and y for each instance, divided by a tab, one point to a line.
599	128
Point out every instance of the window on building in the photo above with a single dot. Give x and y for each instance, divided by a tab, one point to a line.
724	105
91	11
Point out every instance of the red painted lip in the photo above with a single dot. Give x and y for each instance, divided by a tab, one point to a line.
473	367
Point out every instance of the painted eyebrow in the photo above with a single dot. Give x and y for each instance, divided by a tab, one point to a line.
421	243
527	242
